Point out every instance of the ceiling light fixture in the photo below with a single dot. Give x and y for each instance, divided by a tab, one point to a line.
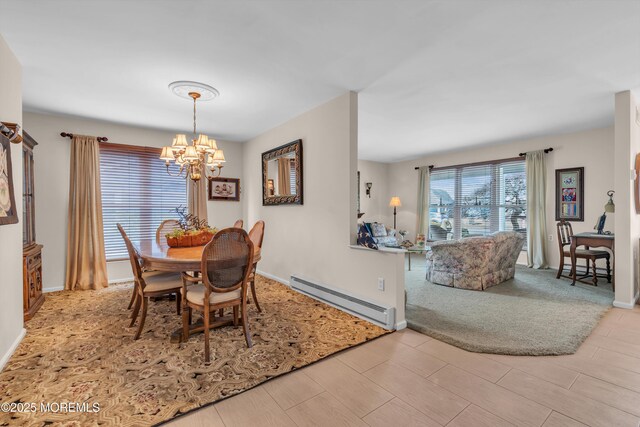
203	154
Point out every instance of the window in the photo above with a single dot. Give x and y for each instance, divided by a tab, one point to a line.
137	192
478	199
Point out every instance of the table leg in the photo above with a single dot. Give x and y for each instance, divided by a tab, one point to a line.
409	261
573	260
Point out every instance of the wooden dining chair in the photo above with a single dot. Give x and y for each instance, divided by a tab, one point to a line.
256	234
238	224
149	284
166	227
226	264
565	232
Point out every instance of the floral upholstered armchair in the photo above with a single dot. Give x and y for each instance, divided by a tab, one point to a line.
474	262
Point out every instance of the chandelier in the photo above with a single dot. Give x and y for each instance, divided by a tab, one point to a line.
202	156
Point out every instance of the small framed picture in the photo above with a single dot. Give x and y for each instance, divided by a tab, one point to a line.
570	194
224	189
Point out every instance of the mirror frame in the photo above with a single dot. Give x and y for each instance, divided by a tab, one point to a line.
292	147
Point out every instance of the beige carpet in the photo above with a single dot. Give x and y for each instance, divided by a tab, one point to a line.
532	314
79	349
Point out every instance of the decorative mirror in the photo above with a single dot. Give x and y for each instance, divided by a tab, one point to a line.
282	175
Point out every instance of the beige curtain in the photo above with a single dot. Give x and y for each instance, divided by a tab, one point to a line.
86	261
423	201
198	196
284	176
536	210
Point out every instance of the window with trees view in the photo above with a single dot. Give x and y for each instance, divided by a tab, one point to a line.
478	199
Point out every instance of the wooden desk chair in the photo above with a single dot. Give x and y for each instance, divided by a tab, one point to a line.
149	284
565	232
166	227
238	224
226	265
256	234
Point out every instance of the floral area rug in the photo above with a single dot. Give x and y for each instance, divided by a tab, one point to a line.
79	365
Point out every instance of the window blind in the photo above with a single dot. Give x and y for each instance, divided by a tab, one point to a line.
137	192
478	199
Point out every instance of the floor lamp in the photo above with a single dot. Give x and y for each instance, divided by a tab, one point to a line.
395	202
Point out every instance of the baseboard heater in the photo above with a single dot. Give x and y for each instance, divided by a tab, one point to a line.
372	311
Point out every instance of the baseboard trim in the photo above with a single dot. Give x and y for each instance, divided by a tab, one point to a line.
626	305
401	325
12	349
272	277
126	279
110	282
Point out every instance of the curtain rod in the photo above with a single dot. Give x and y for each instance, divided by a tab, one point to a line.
70	136
546	150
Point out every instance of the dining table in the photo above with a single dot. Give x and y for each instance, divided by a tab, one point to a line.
160	257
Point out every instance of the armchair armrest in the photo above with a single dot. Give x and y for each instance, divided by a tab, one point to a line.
189	278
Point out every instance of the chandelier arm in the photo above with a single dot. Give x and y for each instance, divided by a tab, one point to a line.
179	174
210	173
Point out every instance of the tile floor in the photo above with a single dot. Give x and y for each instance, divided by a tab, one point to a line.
409	379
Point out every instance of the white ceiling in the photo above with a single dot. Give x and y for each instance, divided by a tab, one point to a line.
432	75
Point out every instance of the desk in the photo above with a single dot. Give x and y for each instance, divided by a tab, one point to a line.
592	240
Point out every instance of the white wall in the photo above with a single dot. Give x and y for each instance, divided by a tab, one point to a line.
52	183
377	207
313	240
11	320
627	145
592	150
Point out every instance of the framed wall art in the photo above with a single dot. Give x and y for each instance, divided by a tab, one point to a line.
570	194
224	189
8	214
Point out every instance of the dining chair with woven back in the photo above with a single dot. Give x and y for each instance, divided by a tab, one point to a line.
565	233
226	265
166	227
149	284
238	224
256	234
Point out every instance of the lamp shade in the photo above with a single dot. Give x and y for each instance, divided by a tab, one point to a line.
203	142
218	157
180	141
395	202
167	154
610	206
190	154
212	146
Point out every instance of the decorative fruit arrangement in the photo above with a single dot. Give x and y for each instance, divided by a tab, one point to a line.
192	232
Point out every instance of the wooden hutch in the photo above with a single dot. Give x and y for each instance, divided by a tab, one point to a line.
32	252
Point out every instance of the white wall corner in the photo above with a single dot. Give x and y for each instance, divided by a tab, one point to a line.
5	357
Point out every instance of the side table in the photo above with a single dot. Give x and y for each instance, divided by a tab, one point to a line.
415	249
